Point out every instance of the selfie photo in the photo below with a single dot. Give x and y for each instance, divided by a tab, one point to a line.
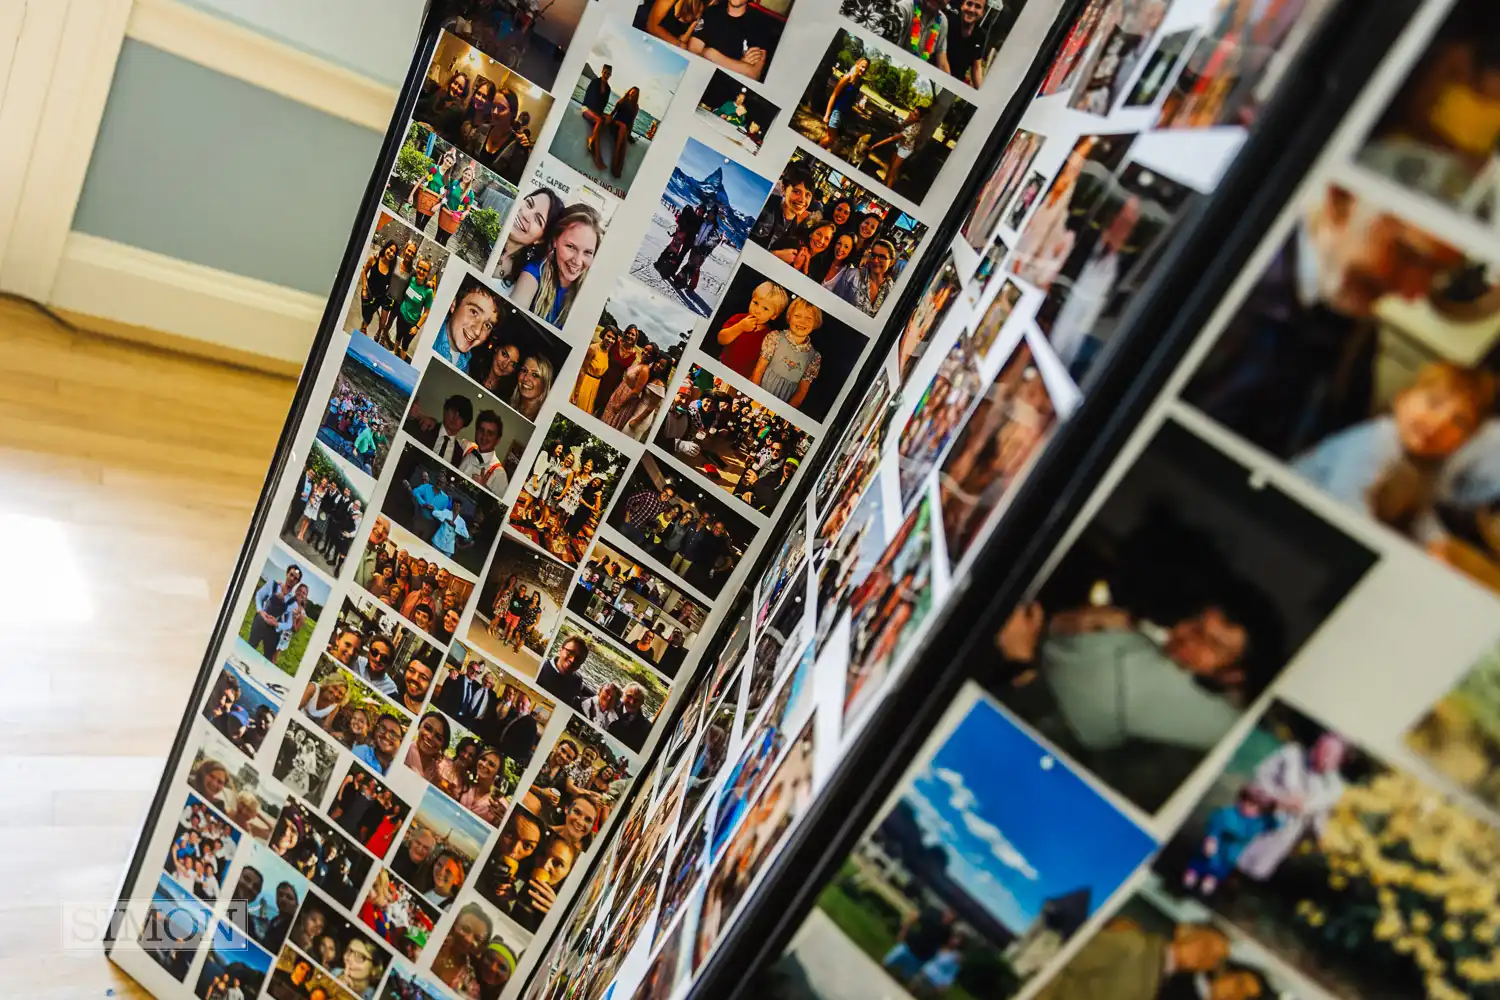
734	34
357	716
614	690
563	497
442	843
550	246
638	341
412	579
383	651
504	350
240	707
222	776
322	855
960	38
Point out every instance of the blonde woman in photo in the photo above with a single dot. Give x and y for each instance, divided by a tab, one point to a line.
321	701
533	383
549	286
673	21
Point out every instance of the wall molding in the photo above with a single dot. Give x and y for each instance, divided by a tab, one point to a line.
112	288
263	62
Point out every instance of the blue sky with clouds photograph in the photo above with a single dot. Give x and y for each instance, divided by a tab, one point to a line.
1018	827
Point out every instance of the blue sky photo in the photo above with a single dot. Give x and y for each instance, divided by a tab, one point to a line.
384	363
1018	826
278	559
747	190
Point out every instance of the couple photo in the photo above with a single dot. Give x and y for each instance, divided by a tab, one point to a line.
453	514
283	610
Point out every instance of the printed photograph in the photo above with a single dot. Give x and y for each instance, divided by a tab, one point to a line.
1025	199
369	395
283	611
384	652
448	838
584	775
354	714
173	928
398	914
740	113
637	607
1459	736
1061	219
266	897
1187	594
887	608
936	417
709	757
520	603
824	225
1221	84
988	860
867	468
233	964
366	809
222	777
474	953
985	269
1357	875
528	867
493	723
295	977
454	515
202	850
1161	70
405	984
1000	187
1126	31
552	241
626	85
1412	444
482	106
531	39
738	36
340	946
1010	423
585	670
474	432
927	318
736	443
782	343
700	227
846	561
655	499
884	120
1063	72
1417	146
785	572
662	975
682	878
320	854
777	647
304	763
1114	254
563	497
786	794
450	199
397	281
638	341
995	317
875	413
324	513
511	356
961	39
411	578
240	707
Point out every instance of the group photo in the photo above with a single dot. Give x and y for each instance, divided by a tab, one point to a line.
530	38
958	37
563	497
700	227
740	113
624	89
454	515
409	577
325	511
294	977
551	244
887	608
283	610
397	281
450	199
519	604
996	315
655	500
320	854
824	225
203	848
1187	544
1302	831
730	33
1005	429
447	839
936	418
785	571
477	435
304	762
845	561
736	443
485	108
240	708
233	963
366	809
870	424
223	777
583	766
638	341
641	610
475	959
351	711
364	409
341	947
398	914
384	652
782	343
613	690
1222	81
882	119
1000	188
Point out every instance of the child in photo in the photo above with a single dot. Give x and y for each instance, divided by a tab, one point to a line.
788	361
1226	833
741	337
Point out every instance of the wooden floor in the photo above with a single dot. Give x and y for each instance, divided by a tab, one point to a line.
148	464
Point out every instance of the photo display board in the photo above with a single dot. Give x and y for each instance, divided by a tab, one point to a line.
1139	117
626	262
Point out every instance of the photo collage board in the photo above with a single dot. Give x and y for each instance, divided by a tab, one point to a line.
1240	738
1139	115
532	471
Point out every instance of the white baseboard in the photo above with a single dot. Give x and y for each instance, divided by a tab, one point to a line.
210	311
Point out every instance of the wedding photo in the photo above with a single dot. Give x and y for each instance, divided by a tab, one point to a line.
637	343
324	513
